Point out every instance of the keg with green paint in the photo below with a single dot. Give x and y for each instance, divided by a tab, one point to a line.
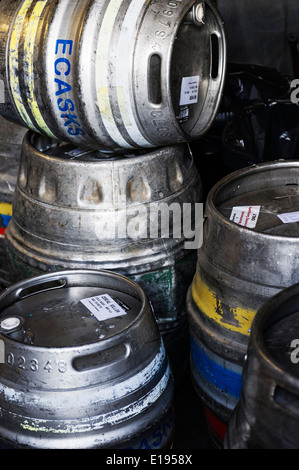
123	74
249	253
133	214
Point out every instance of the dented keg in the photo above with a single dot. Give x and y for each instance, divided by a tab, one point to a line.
249	253
267	414
83	365
73	210
112	75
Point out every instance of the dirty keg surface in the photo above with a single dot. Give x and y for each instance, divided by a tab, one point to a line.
273	206
282	343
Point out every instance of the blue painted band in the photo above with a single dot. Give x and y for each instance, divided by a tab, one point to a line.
226	380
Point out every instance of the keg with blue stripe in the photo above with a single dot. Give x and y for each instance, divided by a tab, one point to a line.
82	365
249	253
112	74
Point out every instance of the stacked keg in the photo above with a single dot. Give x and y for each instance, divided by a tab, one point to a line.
111	93
252	218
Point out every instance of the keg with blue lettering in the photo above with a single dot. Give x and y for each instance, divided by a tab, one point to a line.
112	75
82	365
249	253
139	215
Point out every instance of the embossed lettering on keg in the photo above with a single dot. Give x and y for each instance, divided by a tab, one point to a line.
240	265
64	204
83	365
112	75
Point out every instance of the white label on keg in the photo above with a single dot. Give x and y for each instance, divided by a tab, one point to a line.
189	90
103	307
289	217
246	216
2	92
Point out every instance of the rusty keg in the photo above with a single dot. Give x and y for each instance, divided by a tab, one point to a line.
249	253
112	75
267	414
82	365
74	210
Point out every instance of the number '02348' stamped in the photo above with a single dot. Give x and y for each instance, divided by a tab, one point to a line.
33	364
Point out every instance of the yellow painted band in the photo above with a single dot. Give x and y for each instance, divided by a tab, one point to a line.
14	62
5	208
211	306
29	44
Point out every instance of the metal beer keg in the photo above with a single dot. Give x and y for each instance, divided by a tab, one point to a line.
267	414
11	137
73	210
112	75
249	253
82	365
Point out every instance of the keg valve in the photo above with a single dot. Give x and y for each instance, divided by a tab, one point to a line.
196	15
12	327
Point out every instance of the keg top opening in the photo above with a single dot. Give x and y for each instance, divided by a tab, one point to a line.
62	314
197	70
263	198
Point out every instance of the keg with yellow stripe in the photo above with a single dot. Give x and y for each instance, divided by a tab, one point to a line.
249	253
112	74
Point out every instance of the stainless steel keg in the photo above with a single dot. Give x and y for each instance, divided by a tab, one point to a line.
267	414
249	253
112	75
129	214
82	365
11	137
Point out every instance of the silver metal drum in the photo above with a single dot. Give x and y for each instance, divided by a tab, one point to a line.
249	253
82	365
267	414
73	210
112	75
11	138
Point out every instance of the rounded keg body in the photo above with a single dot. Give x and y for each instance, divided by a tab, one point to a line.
127	214
248	254
266	416
85	367
112	75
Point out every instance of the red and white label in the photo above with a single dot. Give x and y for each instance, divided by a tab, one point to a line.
247	216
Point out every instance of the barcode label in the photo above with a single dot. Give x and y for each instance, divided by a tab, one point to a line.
189	90
103	307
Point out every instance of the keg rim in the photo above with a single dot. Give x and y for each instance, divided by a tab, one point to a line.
280	306
234	177
11	295
117	158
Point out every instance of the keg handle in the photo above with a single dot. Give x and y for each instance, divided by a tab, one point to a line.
102	357
286	400
39	287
